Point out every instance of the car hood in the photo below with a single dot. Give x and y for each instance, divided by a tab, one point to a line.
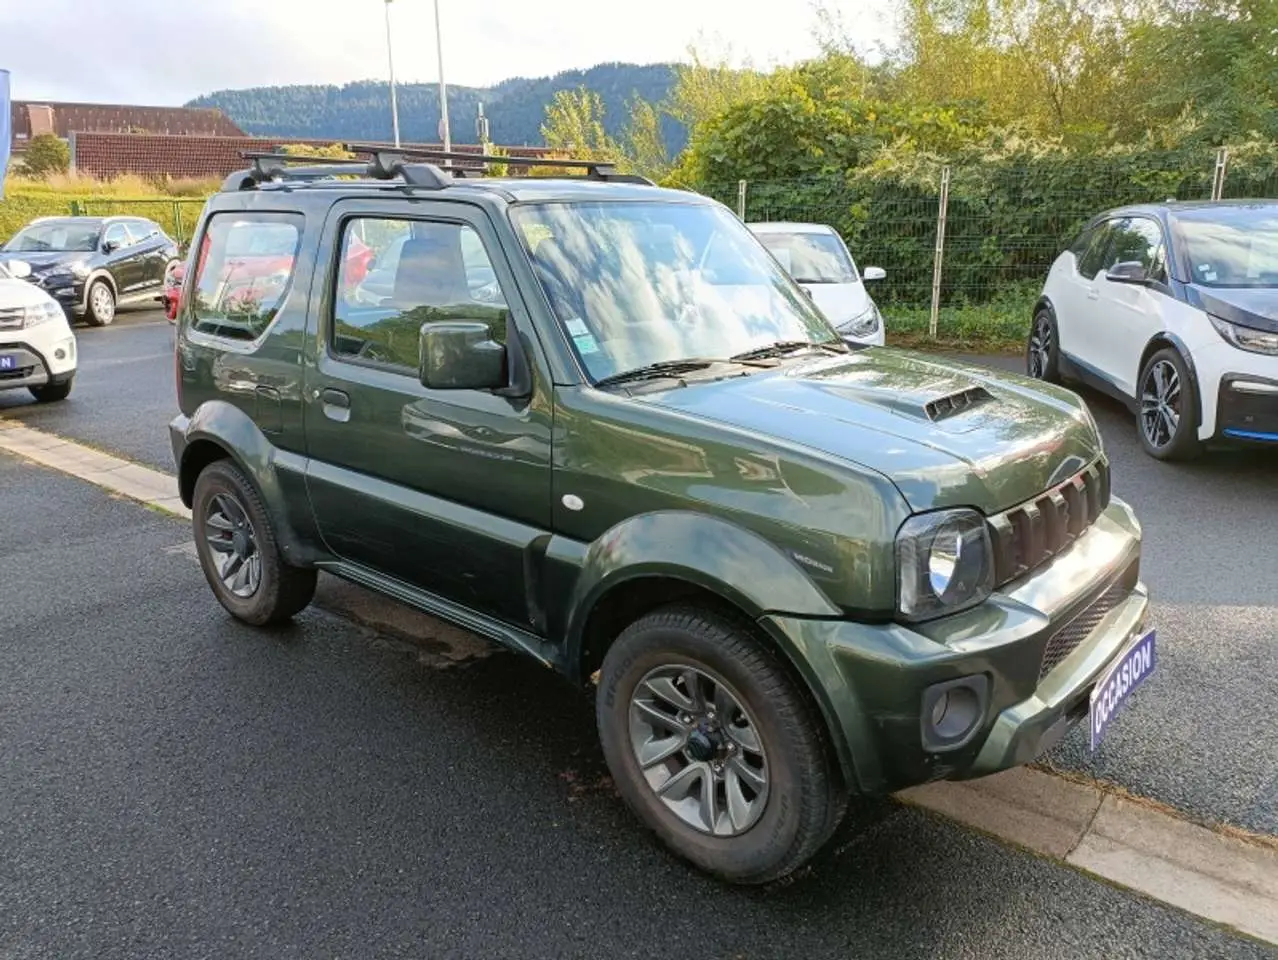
1248	307
945	434
840	302
40	262
20	293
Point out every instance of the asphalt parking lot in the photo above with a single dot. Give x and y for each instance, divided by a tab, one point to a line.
178	785
187	787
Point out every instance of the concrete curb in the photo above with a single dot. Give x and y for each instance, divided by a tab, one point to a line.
1212	874
147	486
1217	876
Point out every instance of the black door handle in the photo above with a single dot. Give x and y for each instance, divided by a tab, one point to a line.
336	398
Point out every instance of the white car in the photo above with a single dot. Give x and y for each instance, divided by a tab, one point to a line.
819	261
37	347
1173	309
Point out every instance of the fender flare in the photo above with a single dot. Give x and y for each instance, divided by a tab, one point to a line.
99	274
735	564
241	440
1177	344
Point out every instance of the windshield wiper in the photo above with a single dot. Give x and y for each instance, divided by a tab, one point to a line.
782	347
663	368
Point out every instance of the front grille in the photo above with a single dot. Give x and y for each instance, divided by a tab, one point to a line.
1030	534
1066	640
19	374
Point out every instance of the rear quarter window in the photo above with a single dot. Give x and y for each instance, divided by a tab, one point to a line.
244	272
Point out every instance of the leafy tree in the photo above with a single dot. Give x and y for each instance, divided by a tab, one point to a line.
644	145
46	155
704	90
575	124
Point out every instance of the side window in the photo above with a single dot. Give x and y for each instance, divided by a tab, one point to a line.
1089	263
1138	240
141	230
117	234
245	266
396	275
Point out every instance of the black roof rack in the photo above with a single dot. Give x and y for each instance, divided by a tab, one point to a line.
385	165
595	169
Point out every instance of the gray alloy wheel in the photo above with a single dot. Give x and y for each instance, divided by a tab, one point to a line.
233	542
101	304
1160	404
699	749
1041	355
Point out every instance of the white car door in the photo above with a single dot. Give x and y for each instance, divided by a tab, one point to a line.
1075	297
1129	305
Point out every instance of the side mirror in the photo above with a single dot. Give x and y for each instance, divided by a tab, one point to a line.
461	355
110	246
874	273
18	269
1129	271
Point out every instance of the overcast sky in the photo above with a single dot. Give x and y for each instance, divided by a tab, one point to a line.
167	51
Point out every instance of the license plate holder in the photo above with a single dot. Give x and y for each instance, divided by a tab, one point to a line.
1131	669
8	361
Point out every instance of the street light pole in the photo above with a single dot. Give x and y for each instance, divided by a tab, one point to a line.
443	90
390	61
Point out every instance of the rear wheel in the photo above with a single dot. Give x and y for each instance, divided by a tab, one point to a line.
101	304
1168	401
52	392
238	551
714	747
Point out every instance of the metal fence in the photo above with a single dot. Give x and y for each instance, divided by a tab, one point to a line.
966	236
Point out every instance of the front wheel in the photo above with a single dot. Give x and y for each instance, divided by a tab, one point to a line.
101	304
1042	351
52	392
1168	399
714	747
238	552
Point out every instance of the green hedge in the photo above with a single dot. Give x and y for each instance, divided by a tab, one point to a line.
177	215
1008	216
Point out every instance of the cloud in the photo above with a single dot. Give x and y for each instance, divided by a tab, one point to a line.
161	52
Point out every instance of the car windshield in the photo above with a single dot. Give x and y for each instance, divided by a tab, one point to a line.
812	257
1231	246
55	237
638	283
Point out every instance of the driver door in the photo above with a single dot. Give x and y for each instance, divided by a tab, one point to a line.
124	262
1132	312
443	490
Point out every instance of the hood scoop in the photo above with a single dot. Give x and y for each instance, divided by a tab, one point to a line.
953	403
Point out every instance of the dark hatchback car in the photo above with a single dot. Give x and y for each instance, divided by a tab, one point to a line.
92	265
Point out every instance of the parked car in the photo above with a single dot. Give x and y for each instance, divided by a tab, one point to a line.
1173	309
817	258
92	265
172	292
789	571
37	347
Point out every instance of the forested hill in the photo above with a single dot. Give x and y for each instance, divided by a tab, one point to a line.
515	108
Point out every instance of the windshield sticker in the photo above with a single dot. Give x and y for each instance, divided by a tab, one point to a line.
577	327
586	344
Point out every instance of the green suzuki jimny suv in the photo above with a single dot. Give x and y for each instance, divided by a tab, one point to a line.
595	421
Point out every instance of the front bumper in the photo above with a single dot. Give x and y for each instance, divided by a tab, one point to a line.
1247	408
1040	645
34	367
65	289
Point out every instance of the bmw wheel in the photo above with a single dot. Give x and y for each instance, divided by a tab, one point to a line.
713	745
1042	352
1168	401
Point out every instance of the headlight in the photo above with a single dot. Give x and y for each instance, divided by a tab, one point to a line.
944	563
42	313
75	269
864	323
1245	338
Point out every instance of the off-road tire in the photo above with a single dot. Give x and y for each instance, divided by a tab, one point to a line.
52	392
284	590
806	799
